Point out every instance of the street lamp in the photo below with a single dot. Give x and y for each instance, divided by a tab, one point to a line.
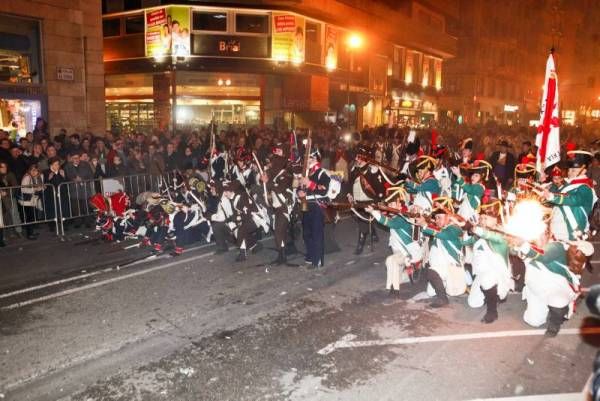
354	41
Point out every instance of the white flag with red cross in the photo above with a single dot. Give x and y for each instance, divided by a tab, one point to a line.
547	139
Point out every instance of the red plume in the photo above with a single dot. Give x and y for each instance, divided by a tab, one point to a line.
434	137
570	146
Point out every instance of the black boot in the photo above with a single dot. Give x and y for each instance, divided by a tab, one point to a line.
362	238
556	316
281	258
374	235
242	256
256	248
441	299
491	303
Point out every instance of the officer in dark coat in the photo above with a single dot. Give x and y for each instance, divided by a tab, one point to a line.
315	190
366	186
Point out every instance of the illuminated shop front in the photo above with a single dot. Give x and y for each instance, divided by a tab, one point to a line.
22	98
186	61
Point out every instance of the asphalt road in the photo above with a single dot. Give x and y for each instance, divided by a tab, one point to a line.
73	326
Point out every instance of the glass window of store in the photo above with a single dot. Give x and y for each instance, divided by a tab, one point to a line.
20	65
313	42
19	50
134	24
257	24
213	21
111	27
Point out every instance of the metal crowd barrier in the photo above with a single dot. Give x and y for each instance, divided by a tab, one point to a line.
73	200
70	201
18	209
73	197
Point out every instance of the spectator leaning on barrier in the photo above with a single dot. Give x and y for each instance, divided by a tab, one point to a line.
32	187
54	176
80	174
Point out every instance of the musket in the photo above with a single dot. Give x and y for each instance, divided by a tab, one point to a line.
374	162
304	201
213	146
261	171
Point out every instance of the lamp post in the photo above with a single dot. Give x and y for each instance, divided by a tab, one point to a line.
353	42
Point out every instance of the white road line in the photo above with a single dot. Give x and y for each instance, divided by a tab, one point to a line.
101	283
82	276
54	283
344	342
544	397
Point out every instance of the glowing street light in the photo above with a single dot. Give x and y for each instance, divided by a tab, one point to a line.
355	41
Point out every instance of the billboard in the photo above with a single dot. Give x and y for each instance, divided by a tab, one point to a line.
168	31
331	47
288	38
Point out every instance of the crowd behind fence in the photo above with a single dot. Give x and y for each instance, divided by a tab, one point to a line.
22	207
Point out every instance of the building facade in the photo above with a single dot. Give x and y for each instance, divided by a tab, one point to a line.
276	63
499	69
51	65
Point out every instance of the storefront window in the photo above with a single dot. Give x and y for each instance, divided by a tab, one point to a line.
134	24
252	23
209	21
313	42
129	117
18	116
19	50
111	27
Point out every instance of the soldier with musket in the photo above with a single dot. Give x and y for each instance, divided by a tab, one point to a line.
279	186
551	288
314	194
490	261
366	185
446	275
424	188
574	203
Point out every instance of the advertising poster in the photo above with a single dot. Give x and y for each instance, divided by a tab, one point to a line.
331	47
168	31
288	38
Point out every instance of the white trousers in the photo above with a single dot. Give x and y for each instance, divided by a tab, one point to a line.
543	289
395	264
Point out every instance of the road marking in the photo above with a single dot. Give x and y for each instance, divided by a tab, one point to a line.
544	397
54	283
101	283
85	275
347	342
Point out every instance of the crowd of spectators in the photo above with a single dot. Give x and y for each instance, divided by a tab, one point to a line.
38	158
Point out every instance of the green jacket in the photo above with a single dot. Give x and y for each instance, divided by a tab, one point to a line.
496	242
430	185
449	238
474	192
400	225
553	257
575	203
